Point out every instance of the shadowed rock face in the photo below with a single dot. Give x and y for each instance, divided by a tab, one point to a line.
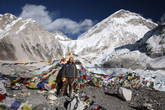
152	44
7	51
156	43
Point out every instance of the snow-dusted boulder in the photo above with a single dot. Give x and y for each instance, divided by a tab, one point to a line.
126	94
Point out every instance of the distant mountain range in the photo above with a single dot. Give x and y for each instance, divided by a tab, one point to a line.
124	39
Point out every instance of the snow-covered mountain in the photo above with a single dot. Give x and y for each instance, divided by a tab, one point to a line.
121	28
24	39
124	39
146	53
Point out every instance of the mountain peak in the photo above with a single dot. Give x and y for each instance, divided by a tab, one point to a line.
124	13
8	16
120	20
6	19
60	35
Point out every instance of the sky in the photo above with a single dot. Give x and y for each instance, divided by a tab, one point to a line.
74	17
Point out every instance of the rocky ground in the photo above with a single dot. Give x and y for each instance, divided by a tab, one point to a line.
111	102
39	100
143	98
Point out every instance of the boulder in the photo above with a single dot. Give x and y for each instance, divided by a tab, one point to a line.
126	94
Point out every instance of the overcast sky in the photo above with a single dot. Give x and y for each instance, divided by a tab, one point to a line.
73	17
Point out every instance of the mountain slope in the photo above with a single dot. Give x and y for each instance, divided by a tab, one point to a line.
147	53
118	20
24	39
121	28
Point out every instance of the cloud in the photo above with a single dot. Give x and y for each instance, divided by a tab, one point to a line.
37	12
70	26
43	16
